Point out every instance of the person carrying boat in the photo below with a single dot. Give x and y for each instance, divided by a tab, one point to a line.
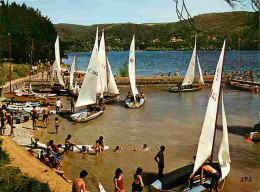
3	119
79	184
46	113
68	143
213	174
34	114
101	143
159	158
137	185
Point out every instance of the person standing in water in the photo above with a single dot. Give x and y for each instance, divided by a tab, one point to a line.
119	180
79	184
159	158
137	185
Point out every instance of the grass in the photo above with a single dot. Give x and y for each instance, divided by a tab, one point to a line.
11	178
18	71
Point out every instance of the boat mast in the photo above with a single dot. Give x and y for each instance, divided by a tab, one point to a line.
238	69
30	69
216	124
10	60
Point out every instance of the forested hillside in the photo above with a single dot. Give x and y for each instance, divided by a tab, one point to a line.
25	24
212	28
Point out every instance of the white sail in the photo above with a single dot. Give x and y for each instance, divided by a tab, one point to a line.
201	76
223	155
57	58
189	77
72	70
207	134
89	88
54	68
131	68
112	88
102	65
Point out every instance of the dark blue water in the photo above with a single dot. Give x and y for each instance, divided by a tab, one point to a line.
150	63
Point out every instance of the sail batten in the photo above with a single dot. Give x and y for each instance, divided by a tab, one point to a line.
91	82
208	129
131	68
189	77
72	70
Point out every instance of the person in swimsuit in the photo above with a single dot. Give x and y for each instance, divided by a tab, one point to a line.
56	168
68	143
57	124
101	143
159	158
34	117
72	105
119	180
11	123
79	184
46	112
137	185
3	119
117	149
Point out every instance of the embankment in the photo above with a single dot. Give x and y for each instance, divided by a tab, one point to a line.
32	167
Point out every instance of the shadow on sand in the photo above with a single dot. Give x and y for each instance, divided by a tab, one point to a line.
238	130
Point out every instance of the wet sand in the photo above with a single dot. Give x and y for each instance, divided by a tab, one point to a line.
173	120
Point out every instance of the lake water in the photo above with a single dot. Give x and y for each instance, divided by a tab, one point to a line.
150	63
173	120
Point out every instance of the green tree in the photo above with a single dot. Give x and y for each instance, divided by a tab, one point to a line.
123	72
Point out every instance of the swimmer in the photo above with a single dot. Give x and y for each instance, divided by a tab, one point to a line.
118	149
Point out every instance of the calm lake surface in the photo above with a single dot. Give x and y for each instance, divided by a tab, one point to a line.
150	63
173	120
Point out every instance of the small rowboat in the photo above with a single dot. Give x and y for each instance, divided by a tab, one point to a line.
245	86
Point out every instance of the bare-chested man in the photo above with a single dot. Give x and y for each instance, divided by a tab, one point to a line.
46	113
78	184
3	119
159	158
34	114
213	174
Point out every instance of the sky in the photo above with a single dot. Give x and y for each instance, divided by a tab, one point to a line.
89	12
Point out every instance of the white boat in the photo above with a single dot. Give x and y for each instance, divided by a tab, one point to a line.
72	70
133	103
179	178
90	88
57	68
188	82
77	148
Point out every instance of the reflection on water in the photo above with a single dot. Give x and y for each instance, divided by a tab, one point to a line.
173	120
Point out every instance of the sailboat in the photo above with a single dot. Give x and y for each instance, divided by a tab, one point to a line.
90	89
239	83
74	89
135	100
188	82
57	68
187	178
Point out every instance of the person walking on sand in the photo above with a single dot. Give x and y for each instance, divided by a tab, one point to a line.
72	105
57	124
46	113
159	158
138	185
3	119
34	114
58	106
11	123
79	184
119	180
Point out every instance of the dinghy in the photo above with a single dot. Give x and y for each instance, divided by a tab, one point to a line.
136	100
91	87
188	84
180	179
76	148
57	68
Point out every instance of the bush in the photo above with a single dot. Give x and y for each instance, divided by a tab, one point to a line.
123	72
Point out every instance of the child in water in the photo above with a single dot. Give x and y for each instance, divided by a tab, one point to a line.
117	149
84	149
97	147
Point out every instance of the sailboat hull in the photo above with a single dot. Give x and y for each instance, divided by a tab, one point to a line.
25	98
134	105
85	116
177	180
193	87
245	86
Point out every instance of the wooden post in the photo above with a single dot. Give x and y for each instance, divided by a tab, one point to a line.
10	60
